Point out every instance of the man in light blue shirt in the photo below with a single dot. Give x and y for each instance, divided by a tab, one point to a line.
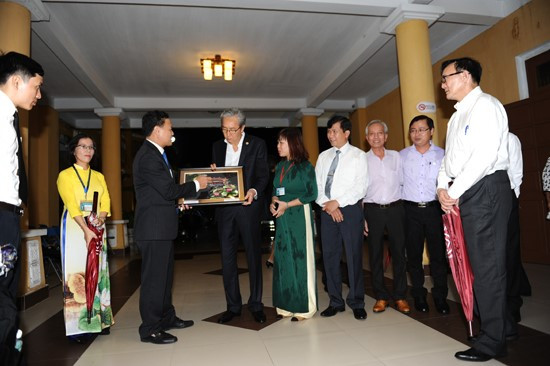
421	163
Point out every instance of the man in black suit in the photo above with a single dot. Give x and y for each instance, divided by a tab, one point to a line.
238	149
156	226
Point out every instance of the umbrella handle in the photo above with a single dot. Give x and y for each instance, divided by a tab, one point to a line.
470	330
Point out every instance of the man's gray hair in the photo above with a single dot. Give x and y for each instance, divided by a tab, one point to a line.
375	121
234	112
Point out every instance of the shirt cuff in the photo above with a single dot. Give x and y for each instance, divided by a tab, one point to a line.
197	185
255	193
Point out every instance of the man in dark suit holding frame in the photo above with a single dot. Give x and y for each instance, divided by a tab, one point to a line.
156	226
234	221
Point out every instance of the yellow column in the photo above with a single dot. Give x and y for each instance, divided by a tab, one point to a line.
111	169
358	123
43	166
310	132
415	72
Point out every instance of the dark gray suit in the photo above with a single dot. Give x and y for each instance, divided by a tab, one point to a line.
243	221
155	227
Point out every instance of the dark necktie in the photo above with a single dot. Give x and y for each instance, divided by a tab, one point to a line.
330	175
23	190
165	157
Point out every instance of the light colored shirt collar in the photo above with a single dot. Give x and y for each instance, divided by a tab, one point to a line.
240	144
469	99
160	149
343	149
7	107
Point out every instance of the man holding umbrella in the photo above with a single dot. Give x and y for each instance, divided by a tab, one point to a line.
476	160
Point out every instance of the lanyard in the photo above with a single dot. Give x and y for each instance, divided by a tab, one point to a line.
87	186
282	176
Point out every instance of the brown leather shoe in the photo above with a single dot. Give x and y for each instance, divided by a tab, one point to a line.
403	306
380	306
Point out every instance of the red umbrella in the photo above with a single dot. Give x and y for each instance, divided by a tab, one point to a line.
460	263
92	261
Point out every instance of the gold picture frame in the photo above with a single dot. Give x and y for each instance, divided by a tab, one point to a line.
228	186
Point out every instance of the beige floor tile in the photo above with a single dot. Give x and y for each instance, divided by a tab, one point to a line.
235	353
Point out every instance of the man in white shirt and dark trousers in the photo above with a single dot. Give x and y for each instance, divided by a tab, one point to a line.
20	81
476	160
517	282
421	163
341	174
384	210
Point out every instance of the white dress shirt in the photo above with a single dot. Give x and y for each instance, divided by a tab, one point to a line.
231	156
350	177
477	143
9	163
385	177
515	171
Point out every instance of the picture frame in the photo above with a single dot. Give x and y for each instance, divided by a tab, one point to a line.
228	186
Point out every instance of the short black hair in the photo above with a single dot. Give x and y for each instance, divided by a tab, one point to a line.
345	123
13	63
421	117
467	64
152	119
73	143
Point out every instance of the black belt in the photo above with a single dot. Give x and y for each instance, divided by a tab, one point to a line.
421	204
11	208
387	205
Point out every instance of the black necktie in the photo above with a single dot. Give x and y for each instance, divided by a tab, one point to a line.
23	190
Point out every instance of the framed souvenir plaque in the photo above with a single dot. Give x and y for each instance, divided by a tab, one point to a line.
227	185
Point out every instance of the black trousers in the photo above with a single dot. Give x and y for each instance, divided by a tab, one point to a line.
244	222
393	219
426	223
485	210
10	233
350	232
516	278
157	276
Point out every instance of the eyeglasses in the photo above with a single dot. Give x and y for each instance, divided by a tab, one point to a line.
230	130
85	147
412	131
444	77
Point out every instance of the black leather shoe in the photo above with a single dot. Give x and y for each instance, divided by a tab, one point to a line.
420	304
259	316
472	355
105	331
180	324
227	316
160	337
441	306
268	264
360	314
331	311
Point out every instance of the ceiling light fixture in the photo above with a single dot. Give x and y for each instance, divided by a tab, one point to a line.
217	67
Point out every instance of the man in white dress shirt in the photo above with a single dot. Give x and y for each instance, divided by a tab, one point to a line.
476	160
383	209
20	81
341	174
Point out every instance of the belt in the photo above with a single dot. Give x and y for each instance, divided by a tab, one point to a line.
421	204
11	208
387	205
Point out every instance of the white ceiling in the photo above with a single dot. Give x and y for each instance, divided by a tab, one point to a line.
332	55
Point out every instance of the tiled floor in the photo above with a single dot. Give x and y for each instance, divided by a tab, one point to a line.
388	338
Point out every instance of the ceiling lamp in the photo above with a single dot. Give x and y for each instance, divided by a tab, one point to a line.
217	67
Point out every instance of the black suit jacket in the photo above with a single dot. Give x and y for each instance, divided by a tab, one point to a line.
253	159
156	217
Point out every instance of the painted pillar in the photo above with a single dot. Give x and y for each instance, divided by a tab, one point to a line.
415	73
111	169
358	123
43	166
310	132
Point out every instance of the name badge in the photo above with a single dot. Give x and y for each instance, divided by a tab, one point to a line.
86	206
280	191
